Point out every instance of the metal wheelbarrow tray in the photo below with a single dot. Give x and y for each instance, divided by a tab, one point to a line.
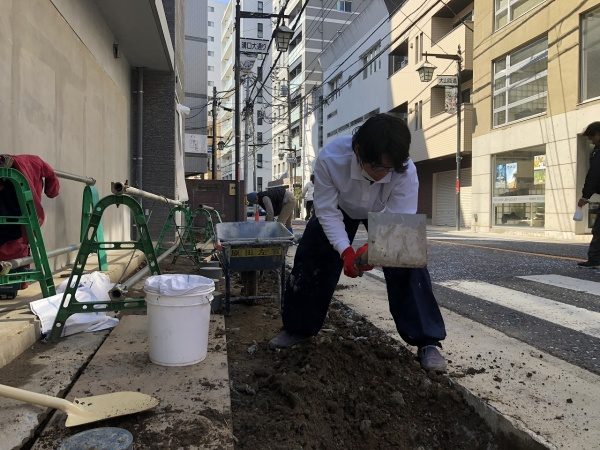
251	247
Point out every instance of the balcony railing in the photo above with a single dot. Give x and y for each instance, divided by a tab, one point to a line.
463	36
295	54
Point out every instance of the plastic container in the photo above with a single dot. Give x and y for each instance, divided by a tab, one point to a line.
578	216
178	318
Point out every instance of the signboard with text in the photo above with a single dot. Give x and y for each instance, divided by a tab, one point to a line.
248	45
447	80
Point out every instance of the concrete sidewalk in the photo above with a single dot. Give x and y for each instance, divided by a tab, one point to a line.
194	409
20	328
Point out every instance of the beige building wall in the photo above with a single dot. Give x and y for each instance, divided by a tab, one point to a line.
65	98
437	136
557	129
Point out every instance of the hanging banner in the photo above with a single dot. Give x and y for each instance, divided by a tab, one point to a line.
247	62
450	100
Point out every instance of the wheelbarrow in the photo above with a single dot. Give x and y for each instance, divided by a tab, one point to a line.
249	247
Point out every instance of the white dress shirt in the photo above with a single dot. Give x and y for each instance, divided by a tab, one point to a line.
308	191
341	181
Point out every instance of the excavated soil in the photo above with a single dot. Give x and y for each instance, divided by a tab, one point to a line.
351	387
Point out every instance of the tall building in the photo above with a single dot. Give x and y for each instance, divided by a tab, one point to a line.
535	89
257	158
371	68
296	91
215	15
196	84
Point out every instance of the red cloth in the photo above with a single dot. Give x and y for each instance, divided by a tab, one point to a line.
36	170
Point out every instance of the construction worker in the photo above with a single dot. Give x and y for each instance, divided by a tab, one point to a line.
307	195
354	175
591	187
277	202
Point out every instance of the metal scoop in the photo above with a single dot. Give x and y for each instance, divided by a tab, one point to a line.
87	409
397	240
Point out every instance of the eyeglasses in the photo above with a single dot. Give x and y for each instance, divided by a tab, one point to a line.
379	169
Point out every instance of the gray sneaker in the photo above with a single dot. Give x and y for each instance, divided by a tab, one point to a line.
285	339
431	358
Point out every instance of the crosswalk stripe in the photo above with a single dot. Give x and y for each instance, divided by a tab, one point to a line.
572	317
574	284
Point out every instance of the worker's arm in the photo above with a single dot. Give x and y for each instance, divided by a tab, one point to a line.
304	190
326	208
405	194
592	179
268	208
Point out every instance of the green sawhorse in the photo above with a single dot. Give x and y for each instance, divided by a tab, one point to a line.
29	220
91	244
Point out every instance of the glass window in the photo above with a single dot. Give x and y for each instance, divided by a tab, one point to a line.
259	137
334	85
211	23
370	61
211	53
519	187
590	55
508	10
260	7
211	39
211	9
259	33
259	161
210	83
259	184
520	85
345	6
259	117
211	68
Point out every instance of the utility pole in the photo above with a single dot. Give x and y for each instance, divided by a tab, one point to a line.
289	117
247	115
214	134
236	168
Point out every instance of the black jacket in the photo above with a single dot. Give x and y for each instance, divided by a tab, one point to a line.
276	195
592	179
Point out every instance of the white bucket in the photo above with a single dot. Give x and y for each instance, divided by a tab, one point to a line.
178	318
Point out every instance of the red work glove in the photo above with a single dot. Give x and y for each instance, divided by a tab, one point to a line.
349	257
362	265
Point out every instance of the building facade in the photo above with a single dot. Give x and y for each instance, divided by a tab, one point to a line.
255	152
70	94
198	33
372	67
297	132
535	90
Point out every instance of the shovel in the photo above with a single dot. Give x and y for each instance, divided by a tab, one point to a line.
397	240
86	409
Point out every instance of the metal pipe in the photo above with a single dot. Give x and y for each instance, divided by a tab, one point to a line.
71	176
7	266
119	188
118	291
138	155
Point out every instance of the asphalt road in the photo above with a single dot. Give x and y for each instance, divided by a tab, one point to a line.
557	310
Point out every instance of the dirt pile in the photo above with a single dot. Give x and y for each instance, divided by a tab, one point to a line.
351	387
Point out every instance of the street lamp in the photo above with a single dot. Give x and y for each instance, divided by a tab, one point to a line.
281	35
426	74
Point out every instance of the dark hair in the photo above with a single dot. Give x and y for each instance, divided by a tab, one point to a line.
592	129
383	134
312	177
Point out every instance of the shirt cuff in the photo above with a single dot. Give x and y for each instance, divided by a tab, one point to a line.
341	246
